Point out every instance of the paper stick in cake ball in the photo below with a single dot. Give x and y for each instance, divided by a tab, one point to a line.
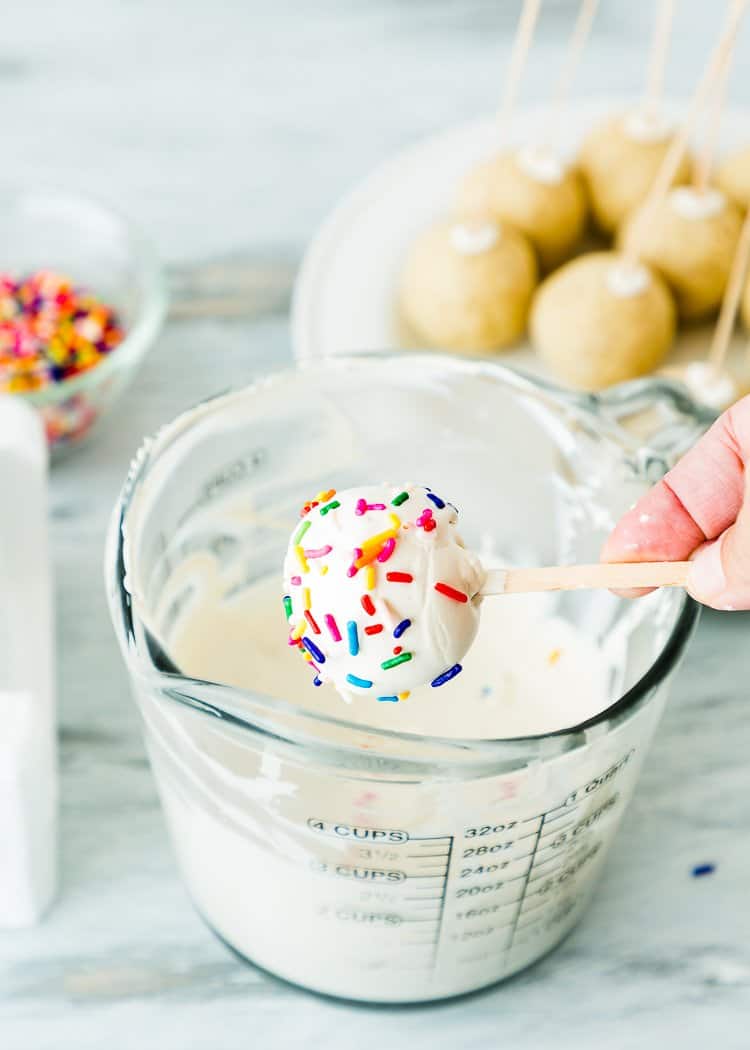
710	381
690	233
467	280
532	187
620	157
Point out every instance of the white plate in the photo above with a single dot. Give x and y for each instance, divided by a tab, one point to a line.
345	294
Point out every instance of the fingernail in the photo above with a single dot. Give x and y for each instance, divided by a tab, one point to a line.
706	579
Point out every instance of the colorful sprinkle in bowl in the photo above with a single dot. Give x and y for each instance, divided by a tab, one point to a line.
103	253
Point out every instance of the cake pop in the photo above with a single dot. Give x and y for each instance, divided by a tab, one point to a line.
619	161
537	192
690	237
468	285
380	591
602	319
381	596
733	177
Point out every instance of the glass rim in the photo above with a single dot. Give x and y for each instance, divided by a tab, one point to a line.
141	664
151	314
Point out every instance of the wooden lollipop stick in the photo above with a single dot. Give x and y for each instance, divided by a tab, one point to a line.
613	576
717	355
657	59
706	157
519	54
581	31
665	176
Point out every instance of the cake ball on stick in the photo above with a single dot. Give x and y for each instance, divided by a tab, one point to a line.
690	237
467	285
379	590
620	158
690	233
602	319
381	596
710	381
733	177
533	187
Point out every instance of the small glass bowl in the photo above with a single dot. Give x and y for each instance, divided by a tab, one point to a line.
101	251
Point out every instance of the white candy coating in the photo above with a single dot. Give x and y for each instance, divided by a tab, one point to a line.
474	238
541	164
691	203
710	386
627	279
646	127
415	539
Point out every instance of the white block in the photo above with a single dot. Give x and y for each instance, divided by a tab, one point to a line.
28	741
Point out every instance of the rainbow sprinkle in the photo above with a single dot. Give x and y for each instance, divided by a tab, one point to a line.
396	660
370	577
446	676
399	629
302	559
301	532
367	604
288	606
387	699
333	627
329	507
313	650
451	592
401	498
399	577
363	683
387	550
312	621
351	632
440	504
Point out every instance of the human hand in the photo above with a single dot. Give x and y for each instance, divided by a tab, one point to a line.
700	509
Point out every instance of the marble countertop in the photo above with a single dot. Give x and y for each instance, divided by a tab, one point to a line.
229	130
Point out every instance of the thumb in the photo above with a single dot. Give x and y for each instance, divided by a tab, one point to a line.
720	572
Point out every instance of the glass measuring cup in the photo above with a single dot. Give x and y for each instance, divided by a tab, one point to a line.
341	853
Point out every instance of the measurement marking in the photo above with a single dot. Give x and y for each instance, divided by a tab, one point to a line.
443	896
424	856
547	874
557	831
566	811
525	887
430	918
423	898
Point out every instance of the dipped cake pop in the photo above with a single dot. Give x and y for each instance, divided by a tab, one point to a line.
602	319
619	161
690	236
381	595
380	591
733	177
467	285
536	191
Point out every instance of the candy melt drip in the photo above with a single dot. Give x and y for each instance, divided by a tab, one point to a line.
380	593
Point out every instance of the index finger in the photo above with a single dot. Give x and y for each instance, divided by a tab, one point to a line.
696	501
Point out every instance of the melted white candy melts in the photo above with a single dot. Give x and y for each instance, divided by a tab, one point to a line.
440	629
691	203
715	388
474	238
627	279
647	127
541	164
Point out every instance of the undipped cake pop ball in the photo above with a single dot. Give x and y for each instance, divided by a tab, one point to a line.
690	237
535	191
380	593
619	160
733	177
601	320
467	285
